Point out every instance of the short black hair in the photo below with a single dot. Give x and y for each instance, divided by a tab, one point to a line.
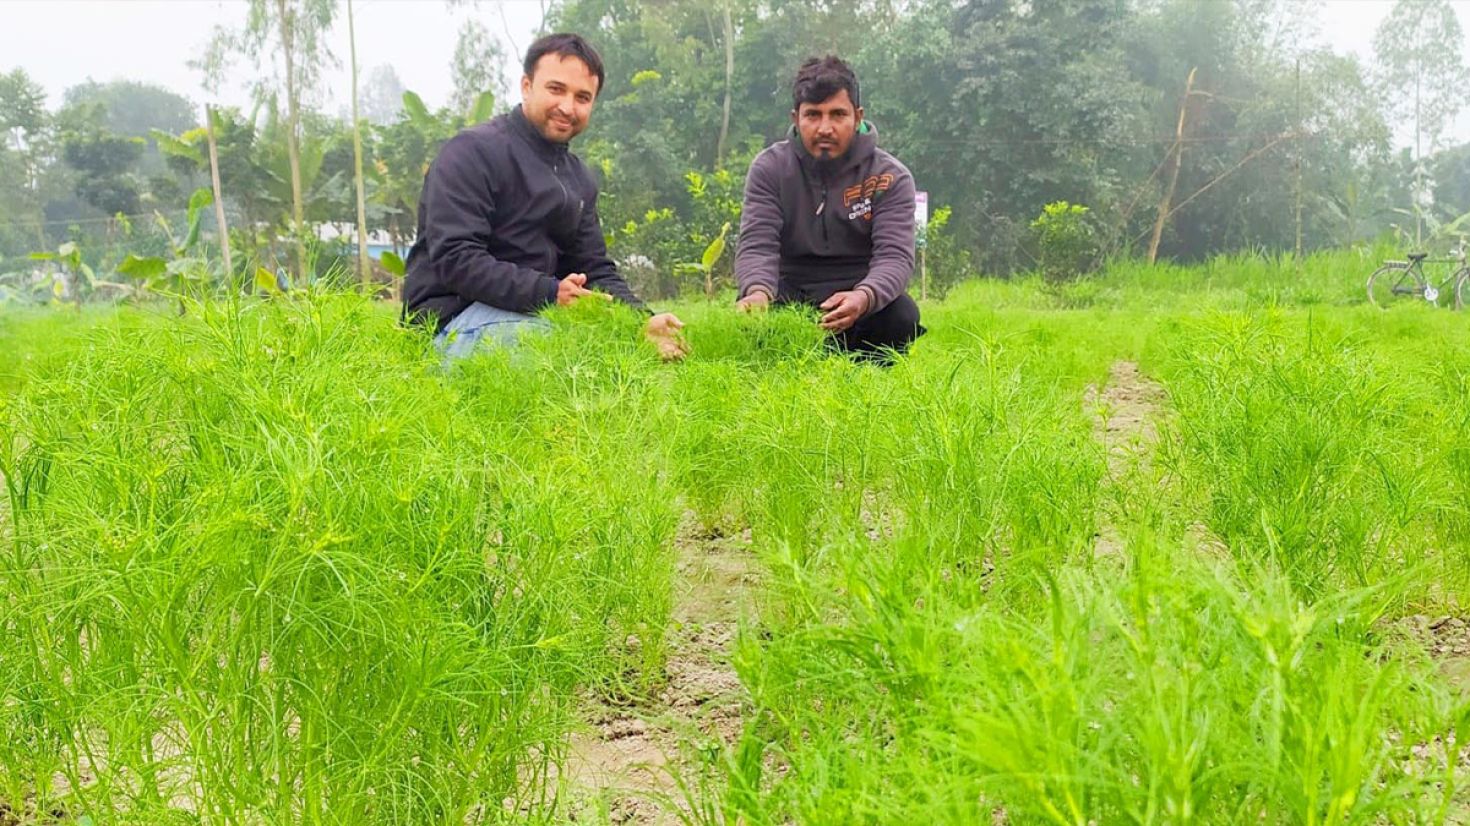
565	44
819	78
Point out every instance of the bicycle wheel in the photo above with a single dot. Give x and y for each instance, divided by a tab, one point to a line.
1462	289
1390	284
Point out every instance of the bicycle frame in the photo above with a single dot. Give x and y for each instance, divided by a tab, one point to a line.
1414	278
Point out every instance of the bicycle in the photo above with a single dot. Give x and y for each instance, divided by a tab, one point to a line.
1407	279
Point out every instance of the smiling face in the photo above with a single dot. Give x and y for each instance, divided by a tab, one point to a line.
557	97
827	128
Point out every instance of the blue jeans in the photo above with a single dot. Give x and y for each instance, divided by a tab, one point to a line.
483	323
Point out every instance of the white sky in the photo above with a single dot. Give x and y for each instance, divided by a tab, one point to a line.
65	42
61	43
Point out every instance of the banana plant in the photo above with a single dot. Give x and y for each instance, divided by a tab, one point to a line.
20	283
706	264
187	271
73	278
406	147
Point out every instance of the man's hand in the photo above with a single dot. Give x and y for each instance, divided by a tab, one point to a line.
573	287
755	301
663	332
843	309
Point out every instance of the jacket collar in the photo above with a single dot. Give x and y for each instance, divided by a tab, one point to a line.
863	145
537	141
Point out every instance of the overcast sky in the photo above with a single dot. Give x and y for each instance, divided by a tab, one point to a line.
64	42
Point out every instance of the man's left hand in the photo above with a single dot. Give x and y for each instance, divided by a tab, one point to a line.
663	331
843	309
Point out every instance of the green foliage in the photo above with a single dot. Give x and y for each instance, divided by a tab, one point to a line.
648	251
665	253
414	107
947	261
1066	241
74	279
431	626
187	273
132	108
705	266
477	67
283	538
1043	102
394	264
1420	48
103	162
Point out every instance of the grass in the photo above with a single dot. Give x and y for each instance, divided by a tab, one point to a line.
274	563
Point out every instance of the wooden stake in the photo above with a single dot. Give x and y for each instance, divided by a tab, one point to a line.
1178	150
219	197
923	274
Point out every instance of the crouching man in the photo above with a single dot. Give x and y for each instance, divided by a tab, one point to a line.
829	220
508	217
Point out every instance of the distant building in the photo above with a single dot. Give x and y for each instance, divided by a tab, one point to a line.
378	242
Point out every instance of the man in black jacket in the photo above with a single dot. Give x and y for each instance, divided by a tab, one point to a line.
508	217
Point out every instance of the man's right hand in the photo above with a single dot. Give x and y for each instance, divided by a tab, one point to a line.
754	301
573	287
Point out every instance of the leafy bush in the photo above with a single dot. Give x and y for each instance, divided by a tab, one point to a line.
945	259
1066	240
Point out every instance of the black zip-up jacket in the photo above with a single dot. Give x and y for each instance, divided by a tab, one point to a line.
504	215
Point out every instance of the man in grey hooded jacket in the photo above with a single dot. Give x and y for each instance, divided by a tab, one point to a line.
829	220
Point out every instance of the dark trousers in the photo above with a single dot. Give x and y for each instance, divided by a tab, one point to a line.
875	336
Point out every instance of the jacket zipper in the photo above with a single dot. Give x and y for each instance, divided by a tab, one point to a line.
822	208
566	196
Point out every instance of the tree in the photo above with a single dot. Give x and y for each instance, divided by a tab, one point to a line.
403	151
24	138
669	76
292	31
1039	103
105	161
382	95
24	123
132	108
22	110
357	176
478	66
1419	48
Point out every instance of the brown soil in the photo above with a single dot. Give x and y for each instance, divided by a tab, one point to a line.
626	763
1446	639
1125	413
28	815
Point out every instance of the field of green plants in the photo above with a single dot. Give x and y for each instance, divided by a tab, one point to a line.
1170	545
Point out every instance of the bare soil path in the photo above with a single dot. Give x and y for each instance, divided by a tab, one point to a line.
623	767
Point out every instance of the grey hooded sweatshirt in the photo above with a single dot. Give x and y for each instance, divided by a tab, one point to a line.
823	221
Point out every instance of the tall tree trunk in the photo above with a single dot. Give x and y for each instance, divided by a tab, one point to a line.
1153	244
729	82
219	198
363	271
293	130
1298	142
1418	164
